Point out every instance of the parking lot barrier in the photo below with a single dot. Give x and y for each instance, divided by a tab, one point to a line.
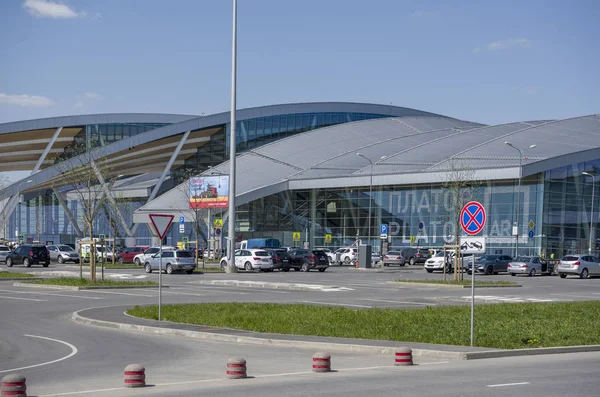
321	362
403	357
13	385
135	375
236	368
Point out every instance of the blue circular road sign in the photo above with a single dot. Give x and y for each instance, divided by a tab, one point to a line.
472	218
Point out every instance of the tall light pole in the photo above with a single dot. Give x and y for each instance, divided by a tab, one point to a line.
592	213
519	190
370	192
232	142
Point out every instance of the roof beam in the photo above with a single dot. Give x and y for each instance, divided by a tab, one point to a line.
46	151
61	199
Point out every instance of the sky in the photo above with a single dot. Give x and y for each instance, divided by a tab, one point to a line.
486	61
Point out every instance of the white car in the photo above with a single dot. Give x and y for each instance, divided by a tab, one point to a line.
251	259
436	262
349	255
140	259
330	254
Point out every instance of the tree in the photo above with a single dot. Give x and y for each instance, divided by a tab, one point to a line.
460	180
198	215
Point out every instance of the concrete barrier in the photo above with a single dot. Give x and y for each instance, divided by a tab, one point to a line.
236	368
403	356
13	385
135	375
321	362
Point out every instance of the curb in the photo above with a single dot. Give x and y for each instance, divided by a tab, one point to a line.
73	288
268	284
331	346
21	279
433	285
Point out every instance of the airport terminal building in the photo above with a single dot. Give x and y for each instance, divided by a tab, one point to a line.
333	172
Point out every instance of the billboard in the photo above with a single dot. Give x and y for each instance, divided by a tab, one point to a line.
209	191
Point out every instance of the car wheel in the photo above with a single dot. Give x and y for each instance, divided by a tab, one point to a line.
61	260
411	261
562	275
189	271
137	261
223	264
9	262
322	269
584	273
46	264
169	269
26	262
532	273
286	269
489	270
513	274
248	266
76	262
429	270
148	268
305	267
347	260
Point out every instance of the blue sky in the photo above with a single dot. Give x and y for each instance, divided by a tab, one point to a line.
485	61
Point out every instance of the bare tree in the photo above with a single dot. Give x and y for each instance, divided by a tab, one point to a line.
460	181
112	212
198	215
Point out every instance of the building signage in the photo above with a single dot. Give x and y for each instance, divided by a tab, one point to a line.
472	245
209	191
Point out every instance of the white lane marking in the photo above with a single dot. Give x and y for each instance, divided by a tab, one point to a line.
509	384
73	352
182	293
221	291
402	302
435	363
46	293
119	293
24	299
335	304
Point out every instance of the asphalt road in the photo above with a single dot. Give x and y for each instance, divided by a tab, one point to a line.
59	356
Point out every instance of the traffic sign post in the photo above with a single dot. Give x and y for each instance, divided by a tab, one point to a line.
296	236
383	231
182	219
161	224
327	238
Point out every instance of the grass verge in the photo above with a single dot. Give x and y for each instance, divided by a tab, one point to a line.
506	326
461	282
15	275
83	282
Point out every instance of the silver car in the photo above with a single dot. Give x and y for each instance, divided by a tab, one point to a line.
393	258
578	265
172	260
4	250
530	265
63	253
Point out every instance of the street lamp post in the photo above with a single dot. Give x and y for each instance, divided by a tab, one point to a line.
519	190
370	192
592	212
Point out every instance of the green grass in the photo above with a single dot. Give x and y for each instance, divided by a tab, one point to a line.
452	282
507	326
15	275
83	282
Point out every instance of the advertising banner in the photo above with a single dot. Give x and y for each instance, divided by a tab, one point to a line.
209	191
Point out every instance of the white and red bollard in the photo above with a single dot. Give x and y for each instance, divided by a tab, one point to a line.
236	368
135	375
321	362
403	356
13	385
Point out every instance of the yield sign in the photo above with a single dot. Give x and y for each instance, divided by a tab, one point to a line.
472	217
161	223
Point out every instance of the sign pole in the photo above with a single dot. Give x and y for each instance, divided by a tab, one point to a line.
161	224
472	302
160	280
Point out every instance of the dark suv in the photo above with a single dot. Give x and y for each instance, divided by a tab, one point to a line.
305	260
281	259
491	264
414	255
28	255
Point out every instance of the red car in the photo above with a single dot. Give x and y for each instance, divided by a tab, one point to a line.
127	254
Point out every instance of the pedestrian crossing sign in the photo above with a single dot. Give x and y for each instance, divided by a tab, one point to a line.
328	238
296	236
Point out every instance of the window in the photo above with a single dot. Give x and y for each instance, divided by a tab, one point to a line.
168	254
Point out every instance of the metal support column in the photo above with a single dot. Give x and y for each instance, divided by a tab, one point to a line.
110	197
46	151
63	204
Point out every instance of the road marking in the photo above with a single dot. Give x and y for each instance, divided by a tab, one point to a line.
45	293
73	352
219	290
509	384
402	302
24	299
182	293
335	304
119	293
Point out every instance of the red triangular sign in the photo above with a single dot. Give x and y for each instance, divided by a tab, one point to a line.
161	223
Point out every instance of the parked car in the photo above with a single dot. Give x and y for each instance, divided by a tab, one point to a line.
140	259
491	264
579	265
330	254
306	260
251	259
4	250
414	255
375	258
530	265
128	253
28	254
63	253
281	259
349	255
393	258
172	261
437	262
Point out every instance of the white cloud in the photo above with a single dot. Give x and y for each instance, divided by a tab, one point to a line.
24	100
90	95
49	9
506	44
418	13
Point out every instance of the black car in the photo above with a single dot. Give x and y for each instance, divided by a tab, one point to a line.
305	260
491	264
281	259
414	255
28	254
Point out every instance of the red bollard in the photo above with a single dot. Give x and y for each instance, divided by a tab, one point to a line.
321	362
13	385
135	375
403	356
236	368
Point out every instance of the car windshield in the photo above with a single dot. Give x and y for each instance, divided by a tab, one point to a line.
523	259
261	253
38	249
424	252
393	253
184	254
440	254
569	258
65	248
488	257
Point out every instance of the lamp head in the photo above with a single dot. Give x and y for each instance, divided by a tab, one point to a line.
532	146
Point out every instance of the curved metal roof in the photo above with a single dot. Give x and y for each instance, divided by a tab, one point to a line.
414	150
